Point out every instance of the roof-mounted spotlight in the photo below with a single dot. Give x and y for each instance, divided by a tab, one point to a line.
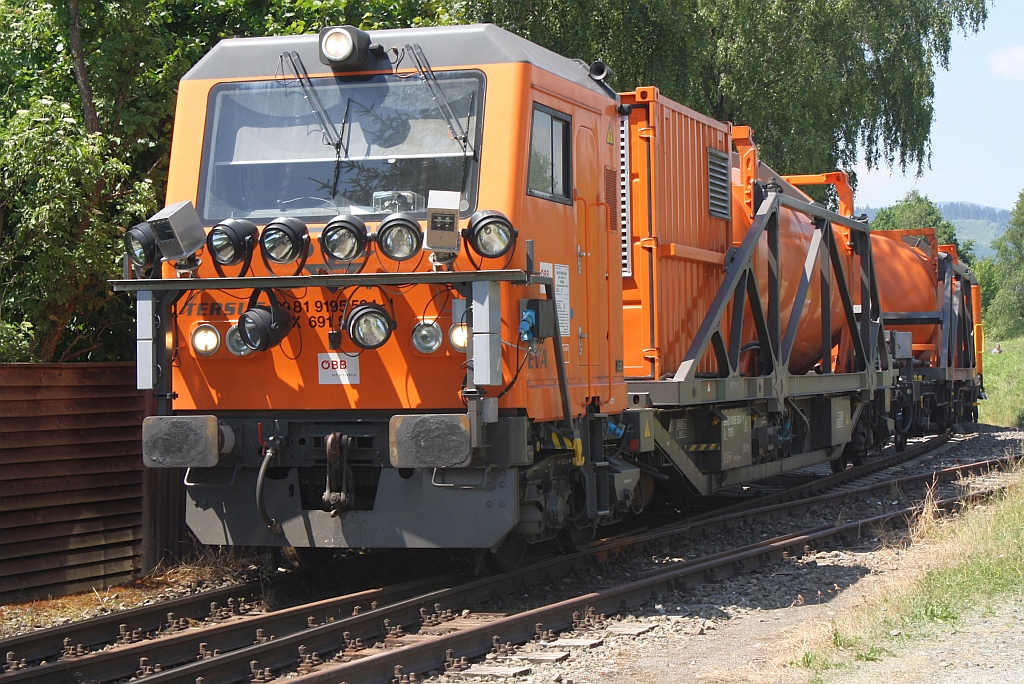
140	245
285	240
344	238
344	47
490	234
231	242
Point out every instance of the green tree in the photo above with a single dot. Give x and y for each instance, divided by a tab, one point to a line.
66	198
822	83
86	109
917	211
987	273
1006	313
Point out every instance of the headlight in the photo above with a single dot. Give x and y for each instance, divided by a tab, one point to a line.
337	44
284	240
399	237
231	241
205	340
369	326
490	234
344	47
344	238
233	341
259	330
458	335
140	244
427	337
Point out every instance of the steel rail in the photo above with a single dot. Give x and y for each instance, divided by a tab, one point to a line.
178	648
426	655
47	644
235	639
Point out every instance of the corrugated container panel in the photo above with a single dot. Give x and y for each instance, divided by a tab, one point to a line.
690	235
71	477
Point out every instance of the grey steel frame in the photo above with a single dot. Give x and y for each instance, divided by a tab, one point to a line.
872	367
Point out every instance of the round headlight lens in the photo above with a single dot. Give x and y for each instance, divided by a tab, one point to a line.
337	45
284	239
279	246
221	246
494	239
205	340
231	241
399	237
344	238
140	245
233	341
458	335
369	326
490	234
427	337
136	250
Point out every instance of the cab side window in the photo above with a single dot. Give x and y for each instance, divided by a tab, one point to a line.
550	160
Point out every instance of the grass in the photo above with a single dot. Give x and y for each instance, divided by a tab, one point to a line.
1004	383
956	568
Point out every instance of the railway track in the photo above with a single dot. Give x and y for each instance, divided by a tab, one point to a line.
362	637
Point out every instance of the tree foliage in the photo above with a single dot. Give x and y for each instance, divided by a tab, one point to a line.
820	81
917	211
87	99
86	105
1005	314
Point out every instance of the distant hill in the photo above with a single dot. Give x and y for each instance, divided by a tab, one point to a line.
973	212
973	222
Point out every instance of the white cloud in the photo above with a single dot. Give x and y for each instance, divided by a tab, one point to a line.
1008	62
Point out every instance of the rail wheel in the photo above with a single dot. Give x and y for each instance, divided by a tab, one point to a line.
507	556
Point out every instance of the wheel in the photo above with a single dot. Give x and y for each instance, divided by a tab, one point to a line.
507	556
837	465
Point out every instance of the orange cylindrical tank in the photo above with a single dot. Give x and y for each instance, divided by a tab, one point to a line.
795	233
906	278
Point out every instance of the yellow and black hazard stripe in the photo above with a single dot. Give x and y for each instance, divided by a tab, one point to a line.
574	445
702	447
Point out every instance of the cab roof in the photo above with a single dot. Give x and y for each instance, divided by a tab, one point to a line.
444	47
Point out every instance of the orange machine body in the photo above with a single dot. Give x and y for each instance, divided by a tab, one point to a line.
673	318
574	237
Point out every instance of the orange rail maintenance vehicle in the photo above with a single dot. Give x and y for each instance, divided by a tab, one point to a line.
444	288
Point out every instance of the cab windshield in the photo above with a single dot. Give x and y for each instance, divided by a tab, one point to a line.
266	153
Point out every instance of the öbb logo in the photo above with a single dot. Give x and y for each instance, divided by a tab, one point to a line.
334	364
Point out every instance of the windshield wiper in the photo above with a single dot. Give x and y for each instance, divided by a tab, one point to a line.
331	136
455	128
323	119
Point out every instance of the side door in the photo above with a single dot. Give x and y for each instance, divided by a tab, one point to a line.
552	179
587	264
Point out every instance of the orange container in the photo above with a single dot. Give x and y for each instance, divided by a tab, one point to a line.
686	209
673	248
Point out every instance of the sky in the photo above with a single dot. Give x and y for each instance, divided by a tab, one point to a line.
978	131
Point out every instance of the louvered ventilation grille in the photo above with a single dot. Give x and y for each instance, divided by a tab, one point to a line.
624	225
718	184
610	191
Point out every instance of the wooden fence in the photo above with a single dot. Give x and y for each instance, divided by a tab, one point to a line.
77	508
